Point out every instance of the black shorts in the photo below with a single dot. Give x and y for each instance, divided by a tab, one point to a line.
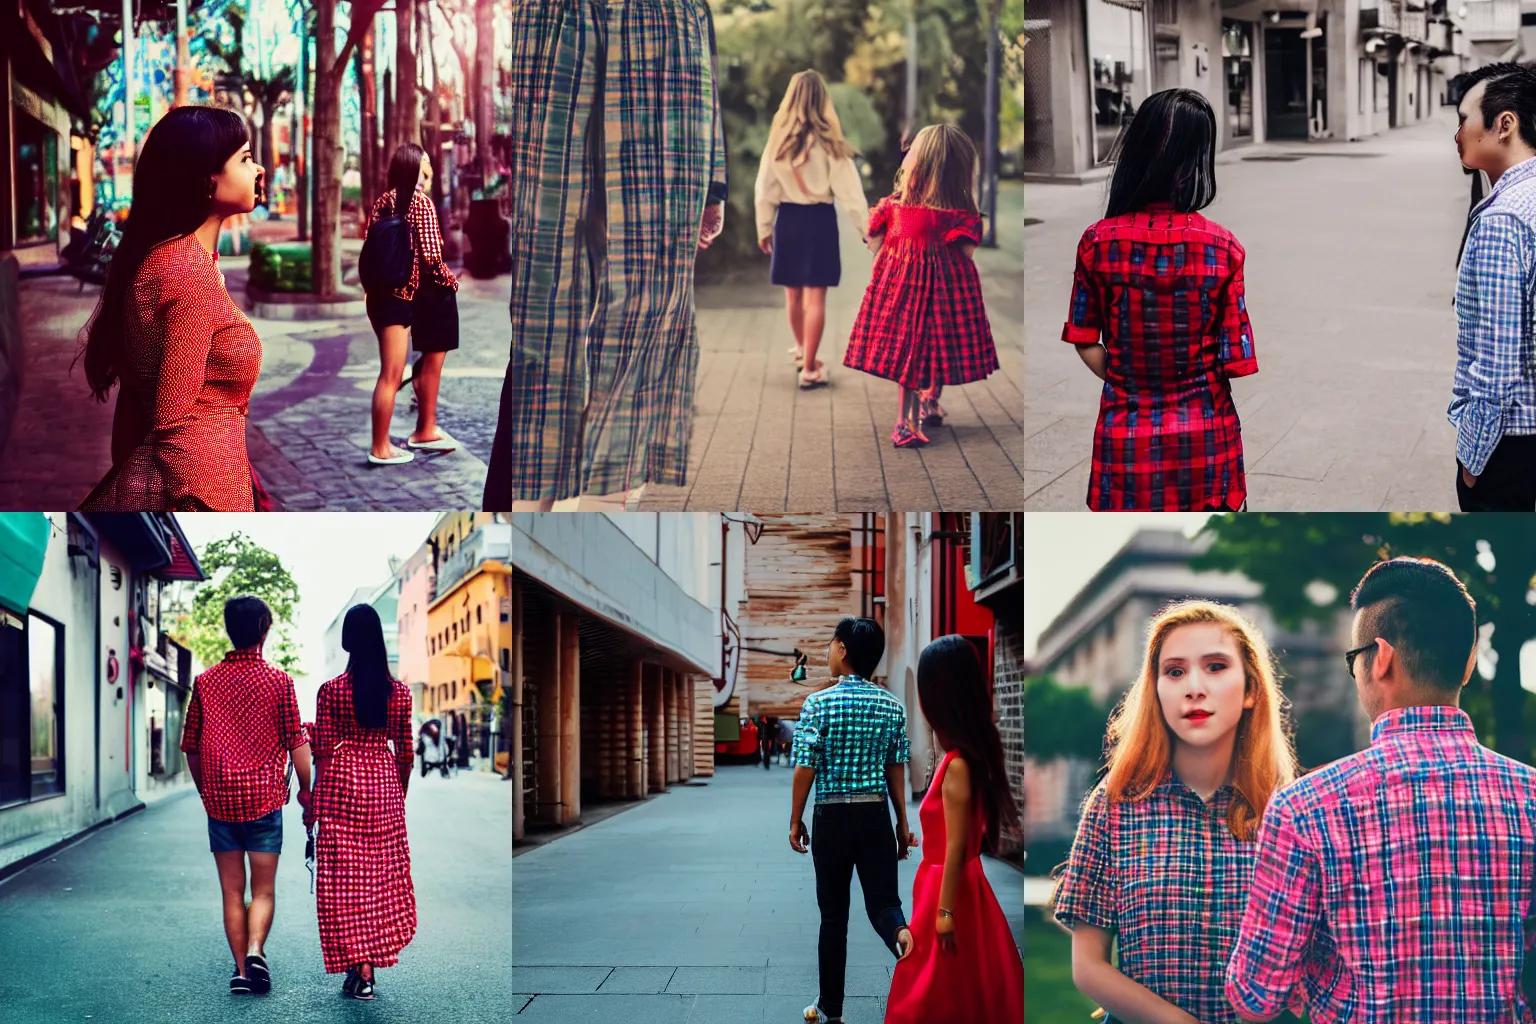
388	310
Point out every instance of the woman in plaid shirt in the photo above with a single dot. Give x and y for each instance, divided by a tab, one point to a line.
1165	849
1163	287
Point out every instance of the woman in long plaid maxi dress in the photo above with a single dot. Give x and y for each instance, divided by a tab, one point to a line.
618	173
363	892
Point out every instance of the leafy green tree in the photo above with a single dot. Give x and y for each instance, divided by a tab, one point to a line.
1062	721
1494	555
237	565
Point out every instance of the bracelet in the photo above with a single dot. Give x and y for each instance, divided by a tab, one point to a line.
945	913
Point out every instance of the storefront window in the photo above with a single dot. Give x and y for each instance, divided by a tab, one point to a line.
1118	55
37	181
1237	56
45	672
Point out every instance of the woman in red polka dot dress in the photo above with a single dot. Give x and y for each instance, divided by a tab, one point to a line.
168	332
363	890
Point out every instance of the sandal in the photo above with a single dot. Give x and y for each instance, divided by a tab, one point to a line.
815	379
393	460
363	990
904	436
930	412
798	354
441	443
239	985
259	973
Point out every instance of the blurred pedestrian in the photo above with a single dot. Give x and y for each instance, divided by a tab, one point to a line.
618	180
242	728
424	306
965	964
807	167
923	323
1493	394
168	332
1158	312
786	739
851	745
364	897
767	739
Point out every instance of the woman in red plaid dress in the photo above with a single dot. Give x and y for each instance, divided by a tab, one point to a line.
1163	287
363	890
167	332
922	323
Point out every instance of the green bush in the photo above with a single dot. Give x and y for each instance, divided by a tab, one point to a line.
281	267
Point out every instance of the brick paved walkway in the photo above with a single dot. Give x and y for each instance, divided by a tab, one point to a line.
760	443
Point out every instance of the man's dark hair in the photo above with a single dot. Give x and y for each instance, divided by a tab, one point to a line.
1419	607
1510	87
246	620
865	641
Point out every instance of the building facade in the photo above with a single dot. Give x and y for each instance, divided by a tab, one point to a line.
615	650
1273	70
92	687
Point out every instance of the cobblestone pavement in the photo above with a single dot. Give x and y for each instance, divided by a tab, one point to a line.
760	443
1350	273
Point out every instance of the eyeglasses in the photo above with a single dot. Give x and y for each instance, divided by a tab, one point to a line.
1350	656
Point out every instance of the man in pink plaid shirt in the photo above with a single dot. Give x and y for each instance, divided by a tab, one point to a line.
1396	884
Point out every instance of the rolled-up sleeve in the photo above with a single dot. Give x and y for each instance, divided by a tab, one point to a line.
1085	318
808	736
290	725
1235	332
1493	320
400	729
1279	921
900	748
1085	891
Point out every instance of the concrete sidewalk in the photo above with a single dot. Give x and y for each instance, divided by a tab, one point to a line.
691	908
762	444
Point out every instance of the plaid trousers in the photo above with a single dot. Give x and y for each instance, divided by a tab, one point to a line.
617	145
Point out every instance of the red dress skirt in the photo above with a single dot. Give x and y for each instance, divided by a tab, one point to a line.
363	891
922	321
983	980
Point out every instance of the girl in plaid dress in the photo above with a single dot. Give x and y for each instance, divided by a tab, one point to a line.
363	891
1165	848
922	323
1162	287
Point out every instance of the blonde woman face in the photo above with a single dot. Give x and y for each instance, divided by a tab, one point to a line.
1201	684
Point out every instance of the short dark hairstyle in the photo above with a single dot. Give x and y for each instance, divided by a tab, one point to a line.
1510	87
1167	154
865	642
1419	607
246	620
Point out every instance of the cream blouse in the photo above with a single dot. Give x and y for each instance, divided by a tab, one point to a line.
820	179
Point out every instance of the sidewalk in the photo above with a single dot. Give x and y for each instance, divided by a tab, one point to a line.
308	428
762	444
125	926
692	909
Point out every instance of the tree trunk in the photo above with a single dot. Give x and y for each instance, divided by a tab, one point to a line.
369	155
391	129
407	123
301	127
269	137
327	157
485	70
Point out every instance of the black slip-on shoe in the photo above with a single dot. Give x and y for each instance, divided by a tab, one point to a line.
364	989
239	985
350	984
259	973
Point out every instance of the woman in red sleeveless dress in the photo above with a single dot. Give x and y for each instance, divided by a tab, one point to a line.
166	330
363	890
965	963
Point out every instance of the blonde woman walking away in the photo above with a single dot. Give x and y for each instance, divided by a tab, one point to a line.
807	165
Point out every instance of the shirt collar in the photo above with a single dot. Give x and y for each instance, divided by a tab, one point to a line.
1172	782
1421	718
246	654
1516	174
853	680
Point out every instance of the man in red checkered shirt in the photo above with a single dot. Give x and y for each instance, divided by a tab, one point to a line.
242	726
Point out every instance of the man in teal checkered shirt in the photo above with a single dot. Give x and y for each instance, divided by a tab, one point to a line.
851	743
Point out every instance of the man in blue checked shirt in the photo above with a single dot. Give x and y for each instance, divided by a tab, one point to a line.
1493	404
851	742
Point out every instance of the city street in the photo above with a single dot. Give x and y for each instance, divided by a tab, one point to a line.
761	443
691	908
308	428
125	926
1350	274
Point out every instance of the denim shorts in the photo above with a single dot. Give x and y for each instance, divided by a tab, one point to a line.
264	835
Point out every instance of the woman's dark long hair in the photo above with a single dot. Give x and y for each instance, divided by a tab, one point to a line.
362	636
171	199
404	172
955	700
1167	154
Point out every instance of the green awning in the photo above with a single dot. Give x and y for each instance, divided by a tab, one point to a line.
23	540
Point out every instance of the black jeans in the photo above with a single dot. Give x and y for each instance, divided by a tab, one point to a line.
1508	481
845	837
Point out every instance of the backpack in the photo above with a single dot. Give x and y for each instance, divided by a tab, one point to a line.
387	257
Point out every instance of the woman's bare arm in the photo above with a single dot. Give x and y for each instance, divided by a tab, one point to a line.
1098	979
1096	357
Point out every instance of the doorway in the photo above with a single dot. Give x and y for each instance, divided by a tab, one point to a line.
1285	83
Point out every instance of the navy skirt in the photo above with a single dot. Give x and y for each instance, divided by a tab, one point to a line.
805	246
